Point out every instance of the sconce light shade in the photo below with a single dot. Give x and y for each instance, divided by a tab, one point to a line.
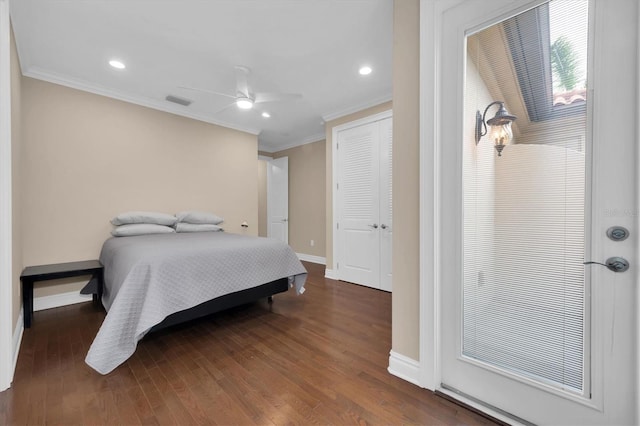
501	133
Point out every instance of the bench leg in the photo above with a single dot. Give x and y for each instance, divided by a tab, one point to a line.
97	296
100	285
27	302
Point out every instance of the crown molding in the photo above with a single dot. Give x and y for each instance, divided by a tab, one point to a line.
41	74
309	139
356	108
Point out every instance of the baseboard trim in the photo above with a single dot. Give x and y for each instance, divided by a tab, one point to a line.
331	274
17	341
311	258
58	300
404	367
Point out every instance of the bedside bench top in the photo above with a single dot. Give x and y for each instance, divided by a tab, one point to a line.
63	269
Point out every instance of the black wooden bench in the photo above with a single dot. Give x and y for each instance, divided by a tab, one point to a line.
31	274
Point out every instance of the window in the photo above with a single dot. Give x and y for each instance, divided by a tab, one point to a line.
548	49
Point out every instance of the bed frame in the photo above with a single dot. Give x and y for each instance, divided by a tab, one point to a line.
227	301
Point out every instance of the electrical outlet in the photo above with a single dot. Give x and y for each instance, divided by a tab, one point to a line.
313	243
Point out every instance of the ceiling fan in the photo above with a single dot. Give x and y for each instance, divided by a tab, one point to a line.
245	98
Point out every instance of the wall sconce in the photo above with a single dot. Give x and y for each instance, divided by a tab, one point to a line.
500	133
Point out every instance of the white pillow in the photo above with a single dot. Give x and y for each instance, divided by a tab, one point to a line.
199	217
196	227
144	217
140	229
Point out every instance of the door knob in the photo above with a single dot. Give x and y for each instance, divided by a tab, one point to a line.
285	220
374	226
383	226
617	233
615	264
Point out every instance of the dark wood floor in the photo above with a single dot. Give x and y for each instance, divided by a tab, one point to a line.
319	358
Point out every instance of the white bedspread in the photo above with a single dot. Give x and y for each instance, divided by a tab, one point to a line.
150	277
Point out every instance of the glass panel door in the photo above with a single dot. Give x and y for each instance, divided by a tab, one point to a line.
524	291
538	158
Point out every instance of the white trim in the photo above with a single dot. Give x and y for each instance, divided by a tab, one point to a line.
57	300
309	139
637	226
426	341
6	242
365	120
169	107
430	170
334	176
356	108
404	367
331	274
313	259
160	105
480	407
17	339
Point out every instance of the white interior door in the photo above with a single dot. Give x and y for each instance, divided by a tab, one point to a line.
386	203
278	199
364	201
514	227
358	199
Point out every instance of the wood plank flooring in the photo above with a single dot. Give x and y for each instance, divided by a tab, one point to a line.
319	358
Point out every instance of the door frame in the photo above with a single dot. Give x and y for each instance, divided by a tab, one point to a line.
335	272
270	192
7	355
431	180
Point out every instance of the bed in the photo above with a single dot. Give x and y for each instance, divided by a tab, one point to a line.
154	281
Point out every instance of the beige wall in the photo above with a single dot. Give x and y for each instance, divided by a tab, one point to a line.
16	204
406	182
306	197
329	169
262	198
406	174
87	158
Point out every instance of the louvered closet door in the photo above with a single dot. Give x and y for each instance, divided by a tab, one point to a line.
364	202
386	216
358	198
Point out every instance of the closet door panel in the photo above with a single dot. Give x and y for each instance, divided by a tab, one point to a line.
359	200
386	197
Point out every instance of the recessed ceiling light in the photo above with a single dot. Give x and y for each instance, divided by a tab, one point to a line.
116	64
365	70
244	103
265	114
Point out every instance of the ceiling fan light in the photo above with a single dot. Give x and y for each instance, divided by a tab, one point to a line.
365	70
117	64
244	103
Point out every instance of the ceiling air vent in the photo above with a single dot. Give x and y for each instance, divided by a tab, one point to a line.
177	100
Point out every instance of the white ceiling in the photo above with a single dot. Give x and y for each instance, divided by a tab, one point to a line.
311	47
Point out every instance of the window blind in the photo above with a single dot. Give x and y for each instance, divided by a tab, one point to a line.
524	293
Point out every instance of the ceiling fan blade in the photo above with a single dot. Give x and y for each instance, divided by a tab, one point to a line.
224	108
276	97
213	92
242	86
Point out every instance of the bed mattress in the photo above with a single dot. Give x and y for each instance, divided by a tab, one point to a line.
149	277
